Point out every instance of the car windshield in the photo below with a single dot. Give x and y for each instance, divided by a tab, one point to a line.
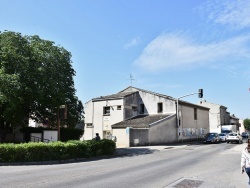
232	134
210	135
222	134
226	131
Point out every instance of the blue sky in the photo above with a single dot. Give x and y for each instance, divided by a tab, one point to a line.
172	47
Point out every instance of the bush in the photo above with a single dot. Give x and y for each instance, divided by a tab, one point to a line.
34	152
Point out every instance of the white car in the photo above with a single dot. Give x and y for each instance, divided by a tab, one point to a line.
234	137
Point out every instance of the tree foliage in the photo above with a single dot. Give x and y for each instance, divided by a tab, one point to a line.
246	123
36	77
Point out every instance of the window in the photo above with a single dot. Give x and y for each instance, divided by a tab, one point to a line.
195	113
89	125
160	108
134	108
141	108
106	110
119	107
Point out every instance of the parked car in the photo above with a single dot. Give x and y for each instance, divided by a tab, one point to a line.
234	137
244	134
223	137
212	138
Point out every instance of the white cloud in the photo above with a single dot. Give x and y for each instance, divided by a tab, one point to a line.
169	51
133	42
235	13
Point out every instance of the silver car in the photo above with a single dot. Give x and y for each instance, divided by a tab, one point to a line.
223	137
234	137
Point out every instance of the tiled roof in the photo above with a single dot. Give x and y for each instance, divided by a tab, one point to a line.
115	96
140	121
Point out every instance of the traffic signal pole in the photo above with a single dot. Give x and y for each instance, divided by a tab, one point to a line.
200	94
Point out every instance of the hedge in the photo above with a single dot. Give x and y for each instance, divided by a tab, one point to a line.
39	151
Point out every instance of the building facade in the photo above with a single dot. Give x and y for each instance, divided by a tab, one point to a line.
135	116
218	116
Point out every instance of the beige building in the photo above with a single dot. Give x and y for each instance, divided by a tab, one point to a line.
218	116
242	127
135	116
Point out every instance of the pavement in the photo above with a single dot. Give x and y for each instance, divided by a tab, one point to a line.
139	150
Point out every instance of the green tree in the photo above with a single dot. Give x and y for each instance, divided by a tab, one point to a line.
36	77
246	123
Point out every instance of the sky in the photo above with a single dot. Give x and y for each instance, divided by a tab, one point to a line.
171	47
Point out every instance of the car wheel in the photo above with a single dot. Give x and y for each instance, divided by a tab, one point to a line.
227	142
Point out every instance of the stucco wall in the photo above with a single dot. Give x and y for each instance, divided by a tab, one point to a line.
163	132
121	138
129	101
151	101
102	123
191	127
88	111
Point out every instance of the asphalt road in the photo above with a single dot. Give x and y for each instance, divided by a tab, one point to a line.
210	165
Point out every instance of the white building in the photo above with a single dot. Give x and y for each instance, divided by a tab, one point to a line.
139	117
219	116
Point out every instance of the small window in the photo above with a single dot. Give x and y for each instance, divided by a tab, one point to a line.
119	107
195	113
106	110
141	108
134	108
89	125
160	108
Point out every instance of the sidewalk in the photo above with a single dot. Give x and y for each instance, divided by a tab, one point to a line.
151	149
139	150
239	180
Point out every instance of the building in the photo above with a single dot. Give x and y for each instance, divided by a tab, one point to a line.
218	116
135	116
242	127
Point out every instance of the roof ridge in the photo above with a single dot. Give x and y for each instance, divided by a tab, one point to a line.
151	92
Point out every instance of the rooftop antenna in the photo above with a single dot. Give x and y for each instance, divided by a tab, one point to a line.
131	79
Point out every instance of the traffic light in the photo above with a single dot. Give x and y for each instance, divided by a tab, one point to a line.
200	93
